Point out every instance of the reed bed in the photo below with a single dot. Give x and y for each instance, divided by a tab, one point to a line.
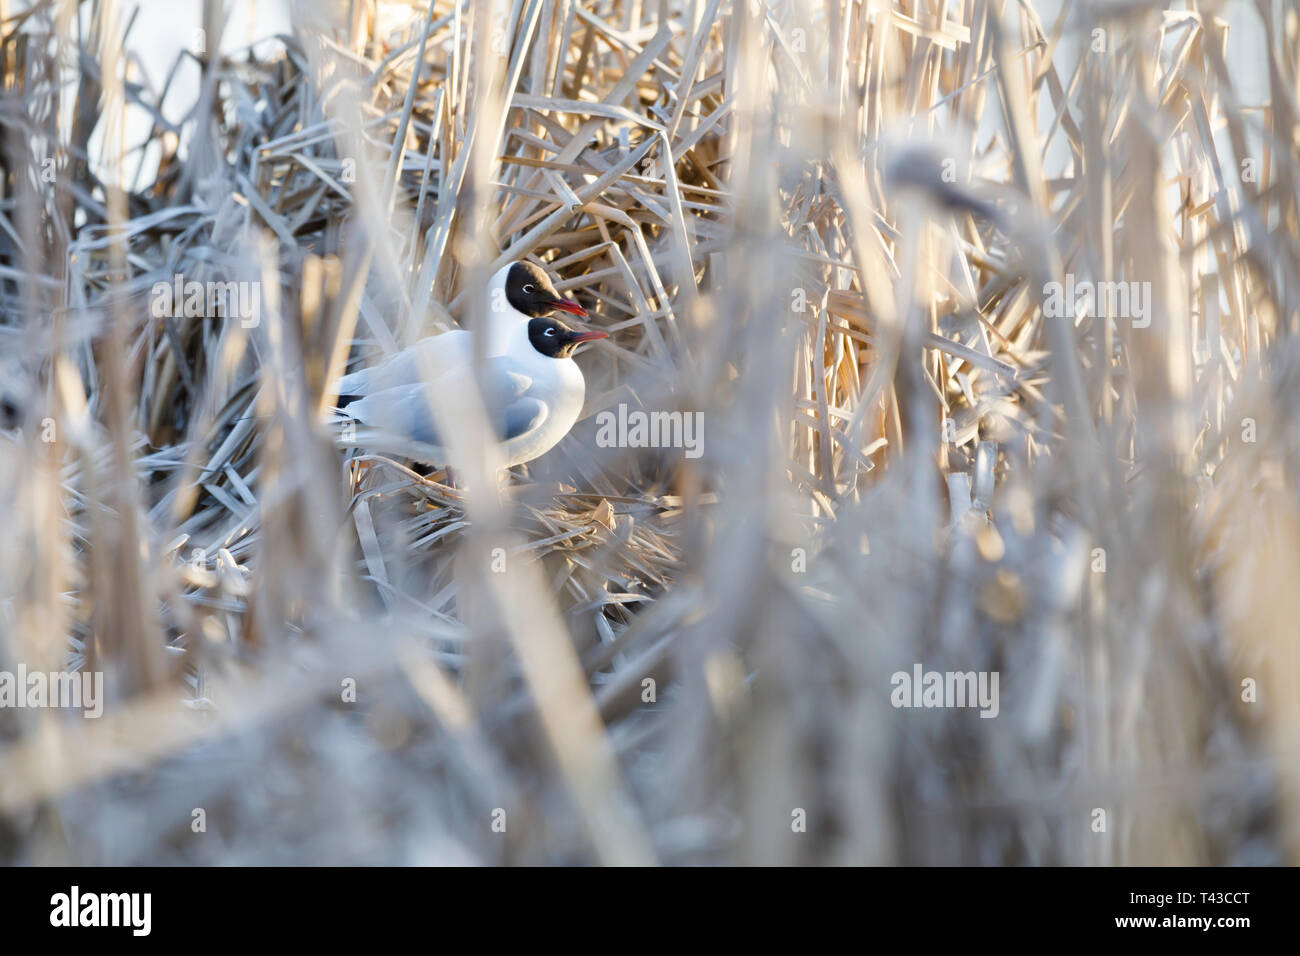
837	232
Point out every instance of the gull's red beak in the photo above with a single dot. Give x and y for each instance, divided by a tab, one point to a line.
588	336
569	306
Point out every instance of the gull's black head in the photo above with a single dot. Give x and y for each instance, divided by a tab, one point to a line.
529	290
556	340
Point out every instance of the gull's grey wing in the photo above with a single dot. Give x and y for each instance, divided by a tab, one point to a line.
503	381
407	410
426	360
510	407
519	418
401	412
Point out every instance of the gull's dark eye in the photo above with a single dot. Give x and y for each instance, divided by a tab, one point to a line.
528	289
550	331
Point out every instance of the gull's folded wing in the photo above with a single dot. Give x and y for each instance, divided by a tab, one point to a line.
426	361
407	411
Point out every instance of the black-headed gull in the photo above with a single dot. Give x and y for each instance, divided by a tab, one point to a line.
532	388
